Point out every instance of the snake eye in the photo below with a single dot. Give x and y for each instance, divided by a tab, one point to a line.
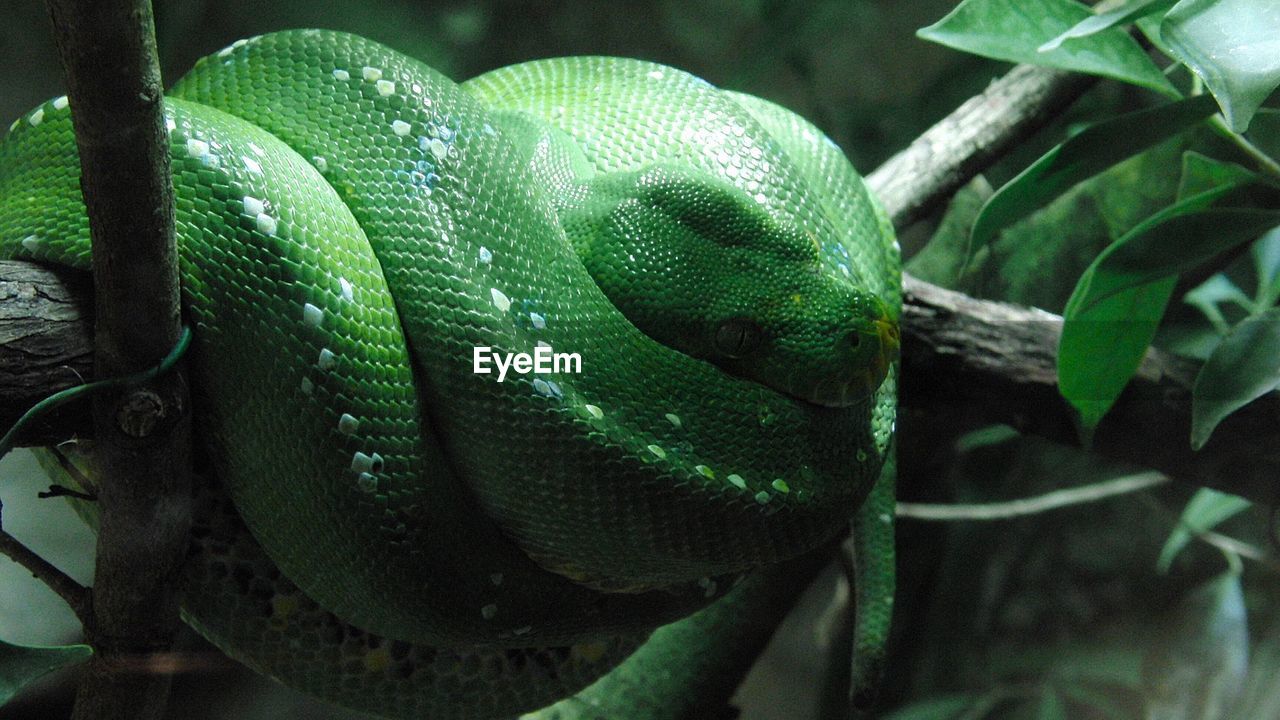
737	337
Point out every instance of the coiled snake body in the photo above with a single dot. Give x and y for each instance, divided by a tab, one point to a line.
388	529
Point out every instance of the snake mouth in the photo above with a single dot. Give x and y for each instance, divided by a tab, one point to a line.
883	333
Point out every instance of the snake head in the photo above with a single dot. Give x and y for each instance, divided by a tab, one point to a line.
701	266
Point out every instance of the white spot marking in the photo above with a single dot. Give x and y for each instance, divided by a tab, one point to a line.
197	148
257	150
170	124
486	256
326	360
348	292
416	88
386	87
539	322
705	471
737	481
253	206
31	243
500	300
372	74
367	482
341	75
674	419
60	102
266	224
320	163
884	518
401	128
488	611
655	74
312	316
361	463
226	51
348	425
438	148
252	165
662	454
762	497
594	411
307	386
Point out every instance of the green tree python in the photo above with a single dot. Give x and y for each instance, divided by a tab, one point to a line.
386	528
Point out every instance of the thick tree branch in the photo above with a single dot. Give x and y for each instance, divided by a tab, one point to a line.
995	360
142	456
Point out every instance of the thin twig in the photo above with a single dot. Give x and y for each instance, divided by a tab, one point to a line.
1034	505
1245	550
75	594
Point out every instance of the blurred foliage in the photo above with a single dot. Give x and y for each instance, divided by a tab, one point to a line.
853	67
1157	224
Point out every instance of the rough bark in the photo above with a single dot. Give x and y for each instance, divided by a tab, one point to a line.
142	434
998	362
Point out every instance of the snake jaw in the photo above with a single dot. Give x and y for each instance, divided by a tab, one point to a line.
872	364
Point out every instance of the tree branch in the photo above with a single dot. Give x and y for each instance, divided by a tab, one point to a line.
914	182
996	360
142	455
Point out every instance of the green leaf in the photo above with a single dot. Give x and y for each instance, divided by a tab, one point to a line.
943	258
1174	239
1127	12
20	664
1233	45
1206	509
1014	30
1101	346
1092	150
1209	295
1169	245
1196	667
1266	263
1264	131
1150	27
1201	173
1245	366
1118	301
